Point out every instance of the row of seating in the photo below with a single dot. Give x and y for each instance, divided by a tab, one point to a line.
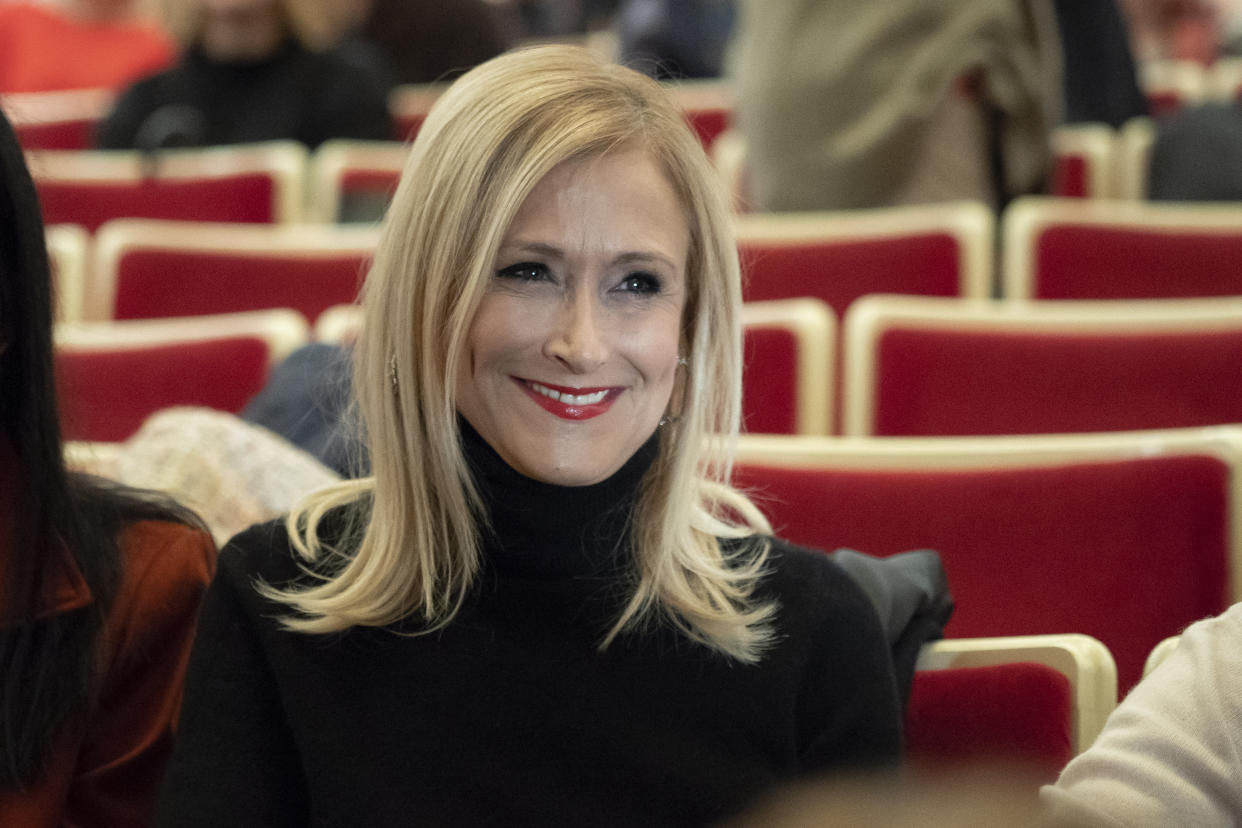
1126	537
281	181
1171	84
1095	160
923	366
253	183
1050	249
66	119
115	374
909	366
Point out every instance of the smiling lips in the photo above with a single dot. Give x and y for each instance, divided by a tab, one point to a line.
571	403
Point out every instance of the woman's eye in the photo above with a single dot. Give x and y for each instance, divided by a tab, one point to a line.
524	271
644	283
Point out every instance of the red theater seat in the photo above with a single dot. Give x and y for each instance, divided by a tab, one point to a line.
339	325
837	257
353	180
111	376
59	120
1066	249
258	183
1085	161
1172	85
149	269
1134	142
409	104
923	366
787	376
1126	537
707	104
1032	702
68	249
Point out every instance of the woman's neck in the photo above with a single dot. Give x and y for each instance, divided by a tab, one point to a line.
542	530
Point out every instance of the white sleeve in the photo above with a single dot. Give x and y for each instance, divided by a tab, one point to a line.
1170	754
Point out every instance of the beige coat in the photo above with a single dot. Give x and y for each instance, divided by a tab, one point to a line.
847	104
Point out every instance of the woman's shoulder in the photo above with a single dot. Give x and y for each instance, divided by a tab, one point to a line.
809	587
265	551
165	569
797	569
166	550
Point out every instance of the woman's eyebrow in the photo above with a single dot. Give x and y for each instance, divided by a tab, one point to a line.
552	251
536	247
640	257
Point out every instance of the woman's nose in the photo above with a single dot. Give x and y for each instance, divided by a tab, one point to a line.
578	341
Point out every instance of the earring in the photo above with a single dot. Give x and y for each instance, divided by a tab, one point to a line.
392	371
669	419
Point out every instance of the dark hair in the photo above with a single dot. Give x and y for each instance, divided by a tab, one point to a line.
47	664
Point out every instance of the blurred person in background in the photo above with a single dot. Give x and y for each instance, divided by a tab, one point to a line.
252	70
1178	29
79	44
675	39
1099	78
1196	154
99	585
847	105
543	18
423	41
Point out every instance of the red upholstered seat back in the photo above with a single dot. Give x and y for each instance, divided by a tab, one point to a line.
370	181
1069	176
407	124
770	382
840	270
1083	261
1161	102
243	197
106	393
1128	551
961	381
709	122
1019	713
75	134
154	283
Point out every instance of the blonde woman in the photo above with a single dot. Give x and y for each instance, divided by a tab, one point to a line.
547	606
252	70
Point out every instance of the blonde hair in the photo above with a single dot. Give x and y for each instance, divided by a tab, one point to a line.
486	143
315	24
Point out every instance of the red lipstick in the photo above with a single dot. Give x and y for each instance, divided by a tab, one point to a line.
571	404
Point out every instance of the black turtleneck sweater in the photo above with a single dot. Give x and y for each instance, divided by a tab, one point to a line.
511	715
293	94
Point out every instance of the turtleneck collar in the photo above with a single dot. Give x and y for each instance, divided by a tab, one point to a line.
541	530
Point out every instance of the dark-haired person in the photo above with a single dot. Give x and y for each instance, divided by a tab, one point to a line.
99	586
252	70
